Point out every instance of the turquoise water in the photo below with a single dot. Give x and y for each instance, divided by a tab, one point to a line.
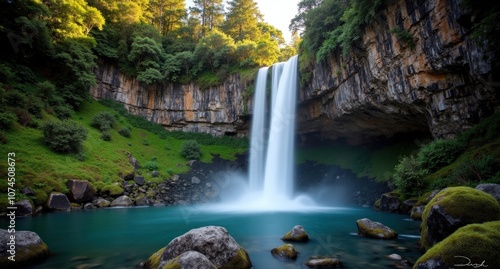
123	237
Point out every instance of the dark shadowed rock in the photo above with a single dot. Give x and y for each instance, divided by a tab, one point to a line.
297	234
416	212
373	229
139	180
29	249
286	252
142	201
134	162
492	189
389	202
190	260
455	207
80	191
323	262
212	241
58	202
123	200
407	205
24	208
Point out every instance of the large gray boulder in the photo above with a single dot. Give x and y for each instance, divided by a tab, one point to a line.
24	208
212	241
29	249
490	188
373	229
58	202
297	234
123	200
190	260
80	191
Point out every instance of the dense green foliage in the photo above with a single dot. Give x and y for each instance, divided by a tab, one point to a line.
103	121
409	176
64	136
191	150
439	153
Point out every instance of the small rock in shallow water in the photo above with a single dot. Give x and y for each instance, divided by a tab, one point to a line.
323	262
297	234
286	251
394	257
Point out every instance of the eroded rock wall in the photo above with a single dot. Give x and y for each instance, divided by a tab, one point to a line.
216	110
439	82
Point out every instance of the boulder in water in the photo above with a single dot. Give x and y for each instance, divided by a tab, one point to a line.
29	249
286	251
373	229
323	262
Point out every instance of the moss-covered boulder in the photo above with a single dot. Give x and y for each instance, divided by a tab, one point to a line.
390	202
373	229
455	207
297	234
286	252
190	260
475	245
29	249
212	241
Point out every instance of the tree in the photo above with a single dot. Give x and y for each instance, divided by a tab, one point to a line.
214	51
147	56
209	12
241	20
167	15
122	11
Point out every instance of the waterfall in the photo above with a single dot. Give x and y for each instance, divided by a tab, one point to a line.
271	167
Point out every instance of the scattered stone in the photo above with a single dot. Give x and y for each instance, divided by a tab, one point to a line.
58	202
155	173
88	206
286	251
29	249
28	191
212	241
195	180
189	260
416	212
134	162
80	191
194	164
297	234
127	175
139	180
75	206
142	201
24	208
455	207
390	202
372	229
101	202
492	189
123	200
394	257
323	262
175	178
407	206
474	245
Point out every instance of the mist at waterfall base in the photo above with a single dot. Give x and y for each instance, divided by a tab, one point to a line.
269	185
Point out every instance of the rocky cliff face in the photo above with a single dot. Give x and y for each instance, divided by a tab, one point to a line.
216	110
438	81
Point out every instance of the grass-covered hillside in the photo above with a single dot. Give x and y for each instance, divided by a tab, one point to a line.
102	162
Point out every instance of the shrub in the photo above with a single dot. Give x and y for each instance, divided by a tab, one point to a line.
409	176
476	170
151	165
191	150
63	111
7	120
106	135
64	136
124	132
103	121
439	153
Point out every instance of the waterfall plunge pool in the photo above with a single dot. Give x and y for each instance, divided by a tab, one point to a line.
124	237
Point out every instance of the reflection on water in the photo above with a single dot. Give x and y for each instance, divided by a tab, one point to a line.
122	238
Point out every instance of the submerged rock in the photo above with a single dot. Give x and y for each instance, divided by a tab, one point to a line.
212	241
297	234
286	251
373	229
29	249
394	257
323	262
455	207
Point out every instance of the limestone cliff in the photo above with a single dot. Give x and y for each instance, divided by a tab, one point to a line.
216	110
438	82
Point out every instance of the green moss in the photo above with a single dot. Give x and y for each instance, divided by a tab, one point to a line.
26	256
372	229
467	204
240	261
113	190
301	238
478	242
286	251
154	260
173	264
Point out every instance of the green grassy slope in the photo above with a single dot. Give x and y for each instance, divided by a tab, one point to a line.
101	162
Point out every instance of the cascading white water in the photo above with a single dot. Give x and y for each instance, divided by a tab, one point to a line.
258	138
277	71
